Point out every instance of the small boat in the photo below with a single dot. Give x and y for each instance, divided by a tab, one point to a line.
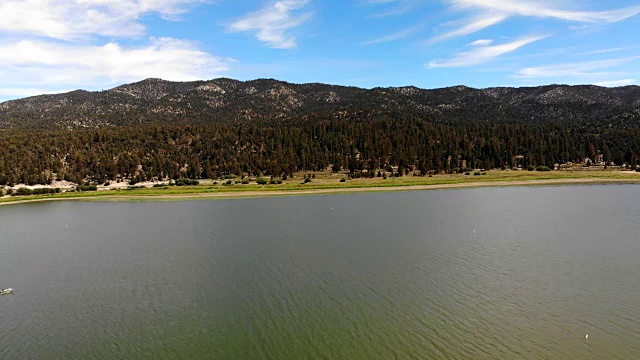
6	291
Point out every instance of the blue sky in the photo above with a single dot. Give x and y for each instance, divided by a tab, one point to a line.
60	45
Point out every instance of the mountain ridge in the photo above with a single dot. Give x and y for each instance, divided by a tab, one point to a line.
225	100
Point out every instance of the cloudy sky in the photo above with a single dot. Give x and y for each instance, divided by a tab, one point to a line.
59	45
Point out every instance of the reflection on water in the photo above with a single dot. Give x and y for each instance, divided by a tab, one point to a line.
456	274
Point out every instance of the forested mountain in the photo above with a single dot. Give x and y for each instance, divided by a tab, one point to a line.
156	129
155	101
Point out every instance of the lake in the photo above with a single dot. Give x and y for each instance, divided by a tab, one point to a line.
486	273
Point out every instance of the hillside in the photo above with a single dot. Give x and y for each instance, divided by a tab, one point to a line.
157	129
223	101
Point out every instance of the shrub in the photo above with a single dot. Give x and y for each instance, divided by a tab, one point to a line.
343	180
477	173
23	192
543	168
307	180
45	191
186	182
531	168
262	181
273	181
467	173
245	181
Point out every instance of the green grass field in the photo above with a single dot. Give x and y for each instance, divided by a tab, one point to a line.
324	182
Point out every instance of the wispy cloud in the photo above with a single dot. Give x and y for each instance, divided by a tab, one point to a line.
272	23
487	13
614	83
573	69
69	20
62	65
482	54
602	51
481	42
470	26
395	36
394	7
545	9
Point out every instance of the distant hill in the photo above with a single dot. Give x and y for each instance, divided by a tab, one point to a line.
155	101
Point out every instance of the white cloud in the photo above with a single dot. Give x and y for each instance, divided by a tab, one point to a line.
481	42
392	7
62	46
62	65
273	22
482	54
602	51
614	83
395	36
24	92
491	12
545	9
70	20
573	69
471	26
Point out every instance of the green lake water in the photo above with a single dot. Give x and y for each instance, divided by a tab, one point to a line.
490	273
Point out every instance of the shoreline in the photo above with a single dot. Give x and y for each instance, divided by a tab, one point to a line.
186	196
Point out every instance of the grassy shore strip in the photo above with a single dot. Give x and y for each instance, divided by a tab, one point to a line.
333	186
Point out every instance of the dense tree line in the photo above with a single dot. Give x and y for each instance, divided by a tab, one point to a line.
348	144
